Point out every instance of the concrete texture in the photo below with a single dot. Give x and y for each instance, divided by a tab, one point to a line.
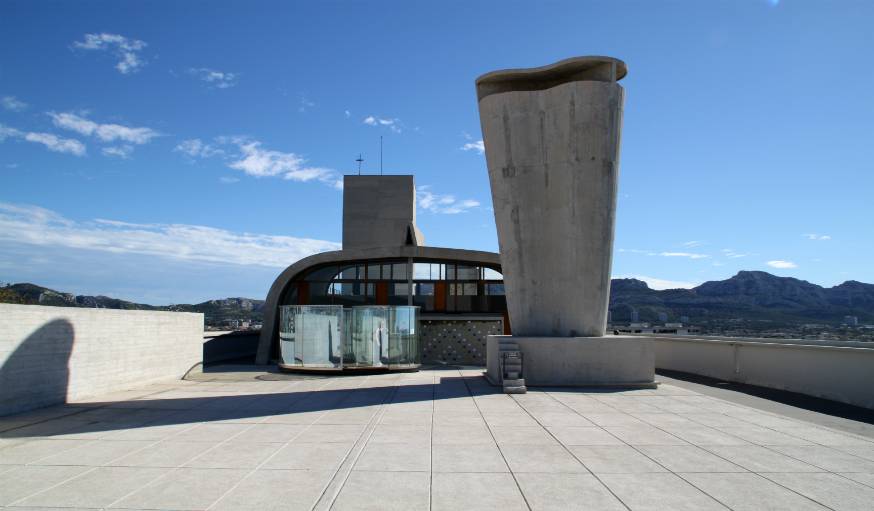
269	332
840	371
552	139
51	355
578	361
379	211
429	440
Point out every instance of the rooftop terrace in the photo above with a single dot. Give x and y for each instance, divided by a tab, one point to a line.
428	440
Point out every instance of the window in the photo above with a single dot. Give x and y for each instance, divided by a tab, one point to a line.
323	273
494	289
399	271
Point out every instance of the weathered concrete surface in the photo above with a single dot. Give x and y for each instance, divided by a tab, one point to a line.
552	145
51	355
578	361
840	371
269	333
379	211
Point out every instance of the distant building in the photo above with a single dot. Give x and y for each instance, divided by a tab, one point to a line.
851	320
667	328
635	317
684	319
663	317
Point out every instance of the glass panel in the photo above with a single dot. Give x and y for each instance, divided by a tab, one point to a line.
403	342
423	289
355	272
373	272
422	271
449	272
490	274
468	289
325	273
320	293
399	271
401	289
494	289
467	272
311	335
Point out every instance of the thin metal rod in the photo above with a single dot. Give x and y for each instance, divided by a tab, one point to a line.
380	155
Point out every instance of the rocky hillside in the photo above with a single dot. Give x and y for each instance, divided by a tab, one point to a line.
214	311
750	295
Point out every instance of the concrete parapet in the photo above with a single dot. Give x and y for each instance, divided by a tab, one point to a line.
625	361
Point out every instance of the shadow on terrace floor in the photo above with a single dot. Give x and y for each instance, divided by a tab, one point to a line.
271	403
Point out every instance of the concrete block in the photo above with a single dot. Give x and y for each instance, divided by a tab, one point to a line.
579	361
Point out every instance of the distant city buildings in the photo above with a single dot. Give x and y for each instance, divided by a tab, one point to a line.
851	320
663	317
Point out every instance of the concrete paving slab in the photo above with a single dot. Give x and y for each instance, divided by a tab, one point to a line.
688	458
614	459
164	454
572	435
759	494
24	481
567	492
275	490
324	456
540	458
394	458
384	491
96	488
659	492
183	489
468	458
474	492
830	490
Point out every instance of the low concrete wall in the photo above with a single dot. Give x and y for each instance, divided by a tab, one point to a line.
228	345
51	355
840	371
578	361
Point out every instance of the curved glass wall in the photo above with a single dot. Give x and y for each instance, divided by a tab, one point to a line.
331	337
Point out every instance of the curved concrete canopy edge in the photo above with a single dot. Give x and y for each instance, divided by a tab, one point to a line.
596	68
268	330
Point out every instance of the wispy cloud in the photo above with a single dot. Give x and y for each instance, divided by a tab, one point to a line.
817	237
442	203
104	132
123	151
690	255
127	51
305	104
33	225
228	180
196	148
214	78
657	283
347	113
733	254
692	244
51	142
393	124
252	158
13	104
783	265
476	145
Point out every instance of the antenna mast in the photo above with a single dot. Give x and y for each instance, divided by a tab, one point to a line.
359	160
380	155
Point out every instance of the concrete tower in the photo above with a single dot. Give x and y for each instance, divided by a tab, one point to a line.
551	139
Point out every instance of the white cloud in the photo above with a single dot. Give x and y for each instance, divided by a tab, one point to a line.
692	244
477	146
817	237
126	50
305	104
659	284
250	157
123	151
50	141
782	264
228	180
442	204
214	78
393	124
33	225
684	254
347	113
13	104
104	132
732	254
196	148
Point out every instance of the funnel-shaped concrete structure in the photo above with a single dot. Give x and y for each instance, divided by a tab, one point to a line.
552	137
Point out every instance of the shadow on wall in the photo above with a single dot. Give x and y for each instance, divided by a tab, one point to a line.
37	373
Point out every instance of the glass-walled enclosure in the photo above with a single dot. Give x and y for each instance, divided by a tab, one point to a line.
434	286
324	337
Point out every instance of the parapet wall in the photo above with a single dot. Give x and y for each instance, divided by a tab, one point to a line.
51	355
840	371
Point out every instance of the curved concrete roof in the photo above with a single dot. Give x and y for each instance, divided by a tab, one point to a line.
594	68
268	330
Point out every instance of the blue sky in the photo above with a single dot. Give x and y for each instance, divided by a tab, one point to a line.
180	151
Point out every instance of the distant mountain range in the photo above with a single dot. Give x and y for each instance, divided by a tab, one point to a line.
749	296
214	311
